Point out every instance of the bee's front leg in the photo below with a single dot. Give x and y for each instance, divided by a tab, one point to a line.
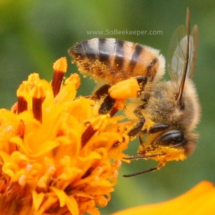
158	128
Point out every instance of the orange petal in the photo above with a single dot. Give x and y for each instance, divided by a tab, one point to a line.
199	200
66	200
37	199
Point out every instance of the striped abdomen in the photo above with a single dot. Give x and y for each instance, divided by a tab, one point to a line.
116	60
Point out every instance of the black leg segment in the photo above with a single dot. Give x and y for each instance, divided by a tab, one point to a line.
106	105
138	127
158	127
101	92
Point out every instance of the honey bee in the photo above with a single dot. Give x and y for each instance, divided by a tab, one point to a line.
167	112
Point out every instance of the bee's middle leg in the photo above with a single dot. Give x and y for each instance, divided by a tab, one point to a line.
138	127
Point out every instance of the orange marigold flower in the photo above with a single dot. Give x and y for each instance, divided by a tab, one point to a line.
198	201
57	155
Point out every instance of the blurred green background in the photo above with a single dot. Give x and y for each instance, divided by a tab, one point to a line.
33	34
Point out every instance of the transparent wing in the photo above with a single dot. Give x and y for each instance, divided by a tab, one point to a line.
176	59
194	50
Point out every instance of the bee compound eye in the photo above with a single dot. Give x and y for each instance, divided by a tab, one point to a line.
173	138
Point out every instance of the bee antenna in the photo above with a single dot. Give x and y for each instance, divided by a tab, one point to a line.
181	88
140	173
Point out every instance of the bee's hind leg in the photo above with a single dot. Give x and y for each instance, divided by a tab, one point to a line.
142	80
101	92
107	105
108	102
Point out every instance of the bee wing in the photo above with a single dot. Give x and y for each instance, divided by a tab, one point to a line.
176	59
183	61
194	51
